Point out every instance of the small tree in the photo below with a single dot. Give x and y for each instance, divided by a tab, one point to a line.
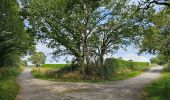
38	58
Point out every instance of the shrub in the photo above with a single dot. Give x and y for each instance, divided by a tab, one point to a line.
113	66
167	67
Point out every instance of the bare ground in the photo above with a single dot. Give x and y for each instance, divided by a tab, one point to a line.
130	89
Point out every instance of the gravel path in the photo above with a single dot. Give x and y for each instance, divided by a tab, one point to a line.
130	89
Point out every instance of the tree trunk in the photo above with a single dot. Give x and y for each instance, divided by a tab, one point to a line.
101	60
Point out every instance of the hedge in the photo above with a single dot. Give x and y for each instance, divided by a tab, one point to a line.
112	66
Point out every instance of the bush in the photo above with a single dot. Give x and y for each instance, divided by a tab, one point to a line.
6	72
114	66
167	67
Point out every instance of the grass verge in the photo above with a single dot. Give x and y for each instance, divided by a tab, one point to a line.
159	89
8	86
126	75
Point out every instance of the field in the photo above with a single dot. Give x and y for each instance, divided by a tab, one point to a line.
8	86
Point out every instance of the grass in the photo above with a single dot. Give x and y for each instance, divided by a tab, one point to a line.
123	70
154	65
56	66
126	75
8	86
44	73
159	89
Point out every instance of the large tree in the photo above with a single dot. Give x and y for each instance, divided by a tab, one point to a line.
14	41
88	30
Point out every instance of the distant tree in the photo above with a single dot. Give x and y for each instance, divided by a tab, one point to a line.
37	58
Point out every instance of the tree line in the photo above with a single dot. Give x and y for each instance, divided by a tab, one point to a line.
14	39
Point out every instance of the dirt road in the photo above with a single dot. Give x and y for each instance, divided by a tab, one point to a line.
130	89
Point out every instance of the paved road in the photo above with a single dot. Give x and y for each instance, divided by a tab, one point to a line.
130	89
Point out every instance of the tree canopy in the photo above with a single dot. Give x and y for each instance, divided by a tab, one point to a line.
88	30
37	58
14	40
157	39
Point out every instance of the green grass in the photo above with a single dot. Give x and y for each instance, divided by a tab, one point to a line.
126	75
159	89
8	86
57	66
154	65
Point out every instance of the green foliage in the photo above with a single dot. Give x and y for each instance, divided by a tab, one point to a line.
159	89
114	66
7	72
167	67
98	27
114	69
56	66
126	75
8	86
160	59
38	58
157	36
24	63
14	40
